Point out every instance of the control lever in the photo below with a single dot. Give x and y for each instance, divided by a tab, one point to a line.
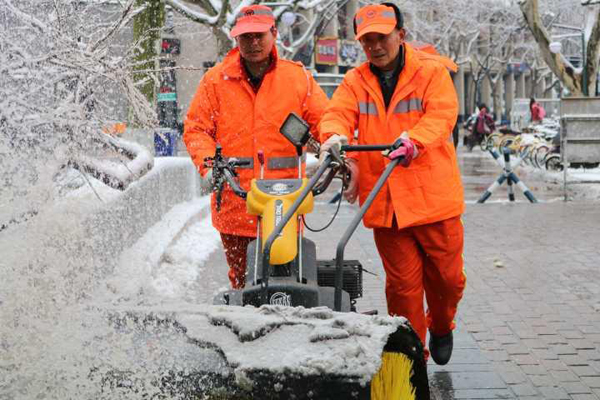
335	155
224	171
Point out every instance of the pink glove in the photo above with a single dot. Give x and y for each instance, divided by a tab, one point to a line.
407	149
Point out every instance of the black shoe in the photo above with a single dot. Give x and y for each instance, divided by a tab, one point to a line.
440	348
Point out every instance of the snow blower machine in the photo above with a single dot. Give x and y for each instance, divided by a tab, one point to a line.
293	331
283	272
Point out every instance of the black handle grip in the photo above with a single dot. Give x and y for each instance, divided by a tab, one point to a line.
366	147
239	163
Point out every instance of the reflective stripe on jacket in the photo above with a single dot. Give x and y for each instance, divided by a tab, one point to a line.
226	110
425	105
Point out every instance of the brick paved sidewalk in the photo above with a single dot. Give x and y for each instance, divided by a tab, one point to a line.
528	326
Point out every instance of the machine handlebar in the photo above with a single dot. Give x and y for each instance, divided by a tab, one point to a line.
224	170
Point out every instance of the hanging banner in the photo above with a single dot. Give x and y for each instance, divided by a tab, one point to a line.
326	51
349	53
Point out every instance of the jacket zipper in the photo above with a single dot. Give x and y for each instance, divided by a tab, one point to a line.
388	205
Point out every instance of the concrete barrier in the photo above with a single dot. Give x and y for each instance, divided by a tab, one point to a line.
122	222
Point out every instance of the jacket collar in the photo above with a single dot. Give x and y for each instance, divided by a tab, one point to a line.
405	84
412	64
232	63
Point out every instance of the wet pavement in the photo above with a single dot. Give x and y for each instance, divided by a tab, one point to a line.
528	326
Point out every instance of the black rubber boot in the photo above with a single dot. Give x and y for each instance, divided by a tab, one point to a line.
440	348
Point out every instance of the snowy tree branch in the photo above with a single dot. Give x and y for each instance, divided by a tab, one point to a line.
556	61
65	75
194	15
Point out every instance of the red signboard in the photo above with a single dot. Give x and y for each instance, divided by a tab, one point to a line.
326	51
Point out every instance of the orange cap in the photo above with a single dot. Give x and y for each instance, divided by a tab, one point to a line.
375	18
253	19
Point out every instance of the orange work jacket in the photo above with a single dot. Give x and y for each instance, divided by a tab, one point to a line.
425	105
226	110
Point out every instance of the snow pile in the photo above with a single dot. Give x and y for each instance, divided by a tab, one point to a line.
53	267
163	264
582	184
183	264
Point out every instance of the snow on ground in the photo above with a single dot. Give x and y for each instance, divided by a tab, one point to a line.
162	263
183	263
582	184
165	268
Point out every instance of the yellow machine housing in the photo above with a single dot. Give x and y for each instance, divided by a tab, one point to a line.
270	200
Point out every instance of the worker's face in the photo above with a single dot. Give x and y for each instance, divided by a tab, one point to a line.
382	50
256	47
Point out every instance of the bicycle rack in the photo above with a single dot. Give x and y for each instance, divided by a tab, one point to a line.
507	175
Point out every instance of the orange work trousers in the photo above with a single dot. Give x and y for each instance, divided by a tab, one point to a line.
235	251
423	260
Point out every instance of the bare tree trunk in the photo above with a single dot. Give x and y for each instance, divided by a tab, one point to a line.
534	81
592	50
218	15
473	92
496	100
557	63
224	44
215	19
146	27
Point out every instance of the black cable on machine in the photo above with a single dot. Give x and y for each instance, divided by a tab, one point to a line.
332	218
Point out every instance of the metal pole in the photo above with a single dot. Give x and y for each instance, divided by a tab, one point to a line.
489	191
584	83
497	158
515	179
339	254
507	175
507	171
563	150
